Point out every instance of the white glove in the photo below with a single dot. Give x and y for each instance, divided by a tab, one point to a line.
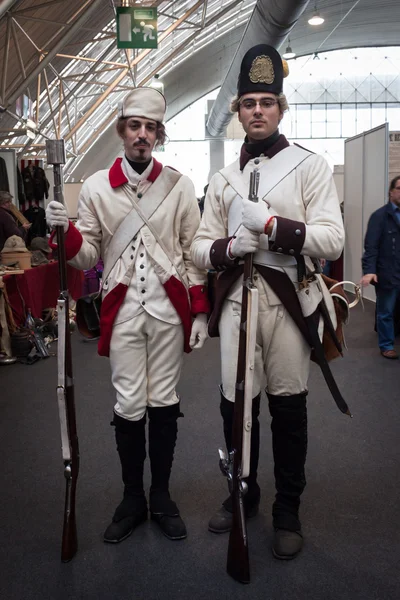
244	242
255	215
56	215
199	332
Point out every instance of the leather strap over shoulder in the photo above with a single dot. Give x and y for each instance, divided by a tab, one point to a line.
276	169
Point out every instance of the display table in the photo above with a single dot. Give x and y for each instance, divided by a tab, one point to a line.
38	288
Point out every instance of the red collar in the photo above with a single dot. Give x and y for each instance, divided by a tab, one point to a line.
117	176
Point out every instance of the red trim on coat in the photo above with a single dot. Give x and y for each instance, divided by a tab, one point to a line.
199	299
116	175
176	292
155	172
109	309
73	241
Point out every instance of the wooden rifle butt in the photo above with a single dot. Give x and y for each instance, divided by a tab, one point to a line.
238	564
69	545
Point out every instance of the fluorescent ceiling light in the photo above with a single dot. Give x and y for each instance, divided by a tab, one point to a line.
288	53
316	19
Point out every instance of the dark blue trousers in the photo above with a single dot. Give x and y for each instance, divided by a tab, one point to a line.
385	305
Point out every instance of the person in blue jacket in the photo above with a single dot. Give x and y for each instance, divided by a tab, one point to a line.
381	266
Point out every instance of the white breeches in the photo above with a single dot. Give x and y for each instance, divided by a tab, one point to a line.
146	358
282	357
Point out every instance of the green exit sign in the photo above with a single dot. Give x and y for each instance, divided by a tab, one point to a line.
144	13
136	27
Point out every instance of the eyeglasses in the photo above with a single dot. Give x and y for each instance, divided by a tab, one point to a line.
264	103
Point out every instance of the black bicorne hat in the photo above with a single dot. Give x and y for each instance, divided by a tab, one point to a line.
261	71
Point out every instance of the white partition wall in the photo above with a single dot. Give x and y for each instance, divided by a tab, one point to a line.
365	190
376	171
353	194
10	163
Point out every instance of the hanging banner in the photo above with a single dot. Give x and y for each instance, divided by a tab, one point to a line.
136	27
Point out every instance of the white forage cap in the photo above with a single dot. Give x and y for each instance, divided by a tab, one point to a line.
144	102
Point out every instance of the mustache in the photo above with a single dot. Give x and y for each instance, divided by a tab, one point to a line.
141	143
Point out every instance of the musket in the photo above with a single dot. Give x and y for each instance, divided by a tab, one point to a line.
236	467
65	385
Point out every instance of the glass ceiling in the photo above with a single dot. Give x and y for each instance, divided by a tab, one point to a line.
83	83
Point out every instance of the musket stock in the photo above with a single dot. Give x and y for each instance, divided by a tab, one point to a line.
65	384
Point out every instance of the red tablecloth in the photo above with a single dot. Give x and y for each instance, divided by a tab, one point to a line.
39	288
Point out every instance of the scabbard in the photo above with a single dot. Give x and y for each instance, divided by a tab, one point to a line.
312	324
329	326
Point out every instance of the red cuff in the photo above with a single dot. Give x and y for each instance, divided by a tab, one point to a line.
73	241
267	223
199	300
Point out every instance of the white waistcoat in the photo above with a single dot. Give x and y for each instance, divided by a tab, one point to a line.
145	291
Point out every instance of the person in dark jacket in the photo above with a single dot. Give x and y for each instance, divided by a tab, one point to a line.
37	216
8	226
36	185
381	266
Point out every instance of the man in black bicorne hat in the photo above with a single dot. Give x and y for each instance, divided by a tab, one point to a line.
297	216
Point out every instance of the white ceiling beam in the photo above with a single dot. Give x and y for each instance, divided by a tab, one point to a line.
69	33
5	60
136	60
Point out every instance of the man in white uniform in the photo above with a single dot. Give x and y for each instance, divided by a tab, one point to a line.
298	215
151	291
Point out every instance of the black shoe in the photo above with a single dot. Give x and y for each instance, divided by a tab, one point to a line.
286	544
166	514
131	512
221	521
172	527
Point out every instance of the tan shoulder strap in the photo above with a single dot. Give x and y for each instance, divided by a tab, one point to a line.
276	169
134	221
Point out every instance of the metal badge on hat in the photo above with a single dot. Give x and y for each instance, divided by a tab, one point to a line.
262	70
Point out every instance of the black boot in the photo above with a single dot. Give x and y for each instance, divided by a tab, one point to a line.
163	430
131	445
221	521
289	442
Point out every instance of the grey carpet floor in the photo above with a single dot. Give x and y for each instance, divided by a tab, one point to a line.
350	509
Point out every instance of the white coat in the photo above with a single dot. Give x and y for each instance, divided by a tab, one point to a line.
102	206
